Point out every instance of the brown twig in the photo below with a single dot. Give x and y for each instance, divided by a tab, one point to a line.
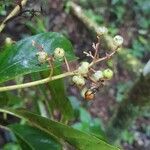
96	47
89	54
108	56
67	64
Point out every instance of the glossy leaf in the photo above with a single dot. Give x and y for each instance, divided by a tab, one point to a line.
34	138
12	146
84	116
80	140
90	125
60	100
21	59
8	99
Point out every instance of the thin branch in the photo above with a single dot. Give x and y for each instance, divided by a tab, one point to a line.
67	64
38	82
96	47
89	54
93	81
92	70
13	13
108	56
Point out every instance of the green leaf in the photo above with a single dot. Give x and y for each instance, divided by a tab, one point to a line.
75	105
8	99
21	59
34	138
12	146
84	116
60	101
23	144
80	140
89	125
127	136
96	127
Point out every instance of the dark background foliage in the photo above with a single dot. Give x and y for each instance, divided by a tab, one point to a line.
129	18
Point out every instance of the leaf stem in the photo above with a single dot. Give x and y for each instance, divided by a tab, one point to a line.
38	82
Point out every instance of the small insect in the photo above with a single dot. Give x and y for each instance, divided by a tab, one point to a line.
90	93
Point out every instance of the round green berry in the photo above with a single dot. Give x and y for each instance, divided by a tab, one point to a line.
118	40
108	73
42	57
83	68
78	80
59	53
97	75
8	41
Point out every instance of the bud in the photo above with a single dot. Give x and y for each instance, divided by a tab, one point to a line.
59	53
97	75
78	80
118	40
108	73
84	68
42	56
101	30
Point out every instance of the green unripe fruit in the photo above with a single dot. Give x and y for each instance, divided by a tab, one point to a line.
97	75
59	53
78	80
108	73
8	41
83	68
118	40
42	57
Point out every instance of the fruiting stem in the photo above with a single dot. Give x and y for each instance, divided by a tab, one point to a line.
108	56
67	64
89	54
38	82
50	78
92	70
96	47
51	67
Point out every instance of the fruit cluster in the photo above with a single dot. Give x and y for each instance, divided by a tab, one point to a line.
85	73
97	78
